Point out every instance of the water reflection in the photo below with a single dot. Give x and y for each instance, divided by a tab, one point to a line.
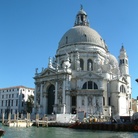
55	132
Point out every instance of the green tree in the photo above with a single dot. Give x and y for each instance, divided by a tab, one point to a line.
29	103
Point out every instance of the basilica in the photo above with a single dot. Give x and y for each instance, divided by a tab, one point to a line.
84	76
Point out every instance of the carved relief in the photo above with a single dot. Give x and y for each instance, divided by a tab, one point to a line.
38	98
60	99
82	102
60	84
89	101
38	88
45	94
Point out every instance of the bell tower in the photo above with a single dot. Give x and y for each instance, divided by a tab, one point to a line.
123	62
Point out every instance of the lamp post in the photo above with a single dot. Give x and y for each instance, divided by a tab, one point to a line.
137	97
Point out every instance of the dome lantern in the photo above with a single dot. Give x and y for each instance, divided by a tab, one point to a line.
81	18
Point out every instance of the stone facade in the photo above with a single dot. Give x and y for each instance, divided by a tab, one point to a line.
84	76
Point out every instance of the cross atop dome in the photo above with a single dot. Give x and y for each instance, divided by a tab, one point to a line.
122	48
81	7
81	18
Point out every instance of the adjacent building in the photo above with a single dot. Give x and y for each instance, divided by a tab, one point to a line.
135	105
84	76
12	99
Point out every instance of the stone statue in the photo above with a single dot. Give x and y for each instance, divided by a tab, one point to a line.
36	70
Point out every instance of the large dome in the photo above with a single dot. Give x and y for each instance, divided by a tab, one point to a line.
81	35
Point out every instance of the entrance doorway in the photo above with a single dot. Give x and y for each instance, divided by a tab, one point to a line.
51	98
73	103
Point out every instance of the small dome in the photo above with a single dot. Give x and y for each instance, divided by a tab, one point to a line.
81	34
112	60
82	12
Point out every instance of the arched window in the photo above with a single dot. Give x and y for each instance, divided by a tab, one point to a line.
66	40
95	86
84	85
122	89
126	61
62	63
103	100
90	85
89	65
23	95
109	101
81	64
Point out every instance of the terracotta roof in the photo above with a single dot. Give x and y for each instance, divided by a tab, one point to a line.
14	87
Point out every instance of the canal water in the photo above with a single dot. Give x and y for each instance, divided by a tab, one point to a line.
58	132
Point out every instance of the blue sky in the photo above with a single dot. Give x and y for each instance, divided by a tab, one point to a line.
30	31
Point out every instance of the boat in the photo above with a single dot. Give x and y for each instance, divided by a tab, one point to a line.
2	132
131	127
18	123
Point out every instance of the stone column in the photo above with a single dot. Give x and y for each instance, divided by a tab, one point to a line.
34	109
56	85
41	98
94	104
86	104
79	100
3	117
63	93
66	83
118	105
101	84
68	103
101	104
56	92
45	103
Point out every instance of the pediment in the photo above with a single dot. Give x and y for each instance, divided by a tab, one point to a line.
48	72
89	75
